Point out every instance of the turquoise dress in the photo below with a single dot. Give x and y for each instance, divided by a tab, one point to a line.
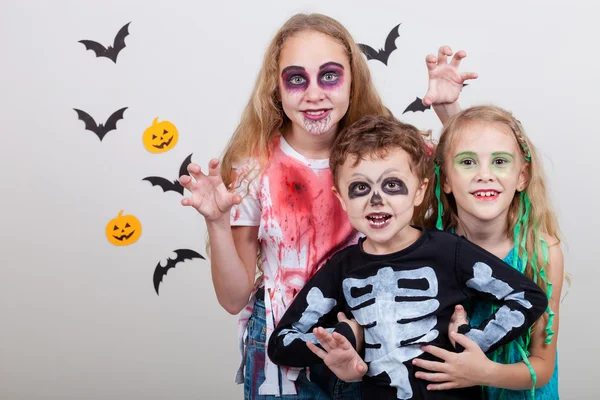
509	354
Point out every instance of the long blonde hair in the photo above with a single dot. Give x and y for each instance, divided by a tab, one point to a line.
537	215
263	118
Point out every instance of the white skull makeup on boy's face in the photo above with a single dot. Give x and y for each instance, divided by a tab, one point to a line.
314	83
379	196
484	170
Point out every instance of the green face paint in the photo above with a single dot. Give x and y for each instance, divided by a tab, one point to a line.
502	162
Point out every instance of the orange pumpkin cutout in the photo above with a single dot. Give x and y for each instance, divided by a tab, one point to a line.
123	230
160	136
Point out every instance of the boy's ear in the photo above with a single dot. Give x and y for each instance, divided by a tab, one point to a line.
523	177
337	194
420	195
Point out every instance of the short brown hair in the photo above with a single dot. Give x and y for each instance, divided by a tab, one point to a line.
374	135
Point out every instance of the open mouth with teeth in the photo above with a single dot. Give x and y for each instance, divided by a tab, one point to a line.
378	220
486	194
316	114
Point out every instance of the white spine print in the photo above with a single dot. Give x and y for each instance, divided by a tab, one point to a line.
398	341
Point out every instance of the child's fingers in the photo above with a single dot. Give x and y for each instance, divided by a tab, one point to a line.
187	182
465	76
443	54
361	367
341	341
187	201
213	167
329	339
342	317
431	61
317	350
457	57
322	336
195	171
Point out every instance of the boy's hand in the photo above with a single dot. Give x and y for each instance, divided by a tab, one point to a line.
339	355
356	329
458	318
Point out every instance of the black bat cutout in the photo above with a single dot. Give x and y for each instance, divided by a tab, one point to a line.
102	129
382	54
110	52
182	255
417	105
167	185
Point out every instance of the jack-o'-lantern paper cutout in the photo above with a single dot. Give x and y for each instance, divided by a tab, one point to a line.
160	136
123	230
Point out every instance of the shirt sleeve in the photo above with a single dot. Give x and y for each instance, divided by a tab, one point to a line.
317	304
247	183
522	301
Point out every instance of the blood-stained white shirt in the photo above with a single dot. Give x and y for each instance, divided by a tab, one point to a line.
301	224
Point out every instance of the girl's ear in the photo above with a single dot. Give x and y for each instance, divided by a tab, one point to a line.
523	177
446	186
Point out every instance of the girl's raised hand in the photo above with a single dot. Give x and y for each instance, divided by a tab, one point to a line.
445	81
209	194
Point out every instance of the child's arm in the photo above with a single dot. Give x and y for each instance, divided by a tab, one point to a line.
232	272
472	367
445	82
317	304
542	356
483	275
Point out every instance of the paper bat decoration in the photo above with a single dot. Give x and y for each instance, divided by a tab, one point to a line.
417	105
382	54
110	52
182	255
167	185
100	129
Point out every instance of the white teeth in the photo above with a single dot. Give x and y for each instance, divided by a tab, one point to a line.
378	220
486	194
315	112
378	223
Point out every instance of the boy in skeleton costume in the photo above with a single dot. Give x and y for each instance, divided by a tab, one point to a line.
400	282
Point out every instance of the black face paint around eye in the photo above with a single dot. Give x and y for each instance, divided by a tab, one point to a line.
376	199
358	189
394	186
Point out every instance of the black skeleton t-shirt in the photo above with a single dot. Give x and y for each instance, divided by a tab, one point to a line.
403	301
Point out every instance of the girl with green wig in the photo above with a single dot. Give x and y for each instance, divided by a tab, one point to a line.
490	188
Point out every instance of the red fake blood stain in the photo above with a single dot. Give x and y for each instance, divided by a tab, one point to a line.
313	224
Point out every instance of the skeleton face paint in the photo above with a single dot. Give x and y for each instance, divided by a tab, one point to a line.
314	84
483	172
380	197
376	199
